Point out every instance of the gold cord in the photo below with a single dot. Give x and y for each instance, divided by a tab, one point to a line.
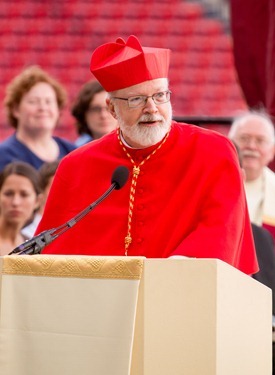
136	172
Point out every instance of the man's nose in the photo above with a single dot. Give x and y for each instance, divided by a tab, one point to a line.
252	143
150	106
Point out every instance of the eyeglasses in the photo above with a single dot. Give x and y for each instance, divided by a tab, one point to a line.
258	141
140	100
97	109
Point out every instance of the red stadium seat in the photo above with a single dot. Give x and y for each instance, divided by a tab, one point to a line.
208	27
139	10
188	10
61	35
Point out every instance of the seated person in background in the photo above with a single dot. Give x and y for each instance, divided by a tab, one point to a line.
34	101
46	175
266	257
91	113
254	134
185	194
265	249
19	198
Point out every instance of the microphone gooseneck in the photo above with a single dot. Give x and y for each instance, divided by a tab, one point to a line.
36	244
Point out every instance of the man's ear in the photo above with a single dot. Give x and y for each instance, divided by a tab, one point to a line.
111	107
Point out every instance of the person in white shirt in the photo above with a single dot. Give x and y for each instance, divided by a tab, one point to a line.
254	134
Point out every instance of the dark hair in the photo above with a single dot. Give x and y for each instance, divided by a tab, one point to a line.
46	171
21	169
81	105
22	84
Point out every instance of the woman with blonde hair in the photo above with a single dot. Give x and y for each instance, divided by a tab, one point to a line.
34	101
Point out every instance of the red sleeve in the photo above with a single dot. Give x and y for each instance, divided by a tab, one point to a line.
223	230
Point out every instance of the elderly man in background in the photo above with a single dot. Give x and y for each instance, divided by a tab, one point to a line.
254	134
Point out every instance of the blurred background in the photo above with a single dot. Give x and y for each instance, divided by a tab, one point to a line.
60	35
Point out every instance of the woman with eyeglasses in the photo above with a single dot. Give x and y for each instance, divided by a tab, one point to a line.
93	119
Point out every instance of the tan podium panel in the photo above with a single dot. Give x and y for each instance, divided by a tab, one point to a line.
131	316
201	317
62	315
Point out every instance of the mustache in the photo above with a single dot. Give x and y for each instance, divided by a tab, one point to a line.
150	118
251	153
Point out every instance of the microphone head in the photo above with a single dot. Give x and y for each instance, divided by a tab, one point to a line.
120	177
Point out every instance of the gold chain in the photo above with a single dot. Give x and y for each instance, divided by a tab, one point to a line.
136	172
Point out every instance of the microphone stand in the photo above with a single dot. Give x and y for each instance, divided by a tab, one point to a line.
37	243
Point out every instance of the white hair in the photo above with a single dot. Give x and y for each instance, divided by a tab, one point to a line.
242	119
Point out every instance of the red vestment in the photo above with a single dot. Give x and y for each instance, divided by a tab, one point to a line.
189	200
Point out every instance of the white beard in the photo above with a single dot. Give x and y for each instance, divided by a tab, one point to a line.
143	135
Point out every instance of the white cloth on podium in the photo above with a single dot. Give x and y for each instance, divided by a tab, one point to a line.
72	315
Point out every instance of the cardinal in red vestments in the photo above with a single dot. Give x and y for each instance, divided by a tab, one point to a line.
184	195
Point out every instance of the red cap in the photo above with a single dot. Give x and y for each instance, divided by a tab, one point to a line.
119	65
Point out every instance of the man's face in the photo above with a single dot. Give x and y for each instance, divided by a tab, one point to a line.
256	142
146	125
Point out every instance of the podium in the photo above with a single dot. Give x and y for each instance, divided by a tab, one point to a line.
201	317
131	316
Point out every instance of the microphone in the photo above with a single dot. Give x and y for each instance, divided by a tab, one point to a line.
120	177
36	244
